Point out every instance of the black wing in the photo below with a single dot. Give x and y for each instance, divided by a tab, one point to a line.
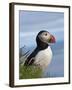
30	60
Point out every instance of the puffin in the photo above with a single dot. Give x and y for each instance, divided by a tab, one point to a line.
42	54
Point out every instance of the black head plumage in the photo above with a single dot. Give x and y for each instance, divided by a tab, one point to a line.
40	43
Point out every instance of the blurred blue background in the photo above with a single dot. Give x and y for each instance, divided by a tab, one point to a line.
31	22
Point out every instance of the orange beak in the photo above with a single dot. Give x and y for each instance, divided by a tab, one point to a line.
52	39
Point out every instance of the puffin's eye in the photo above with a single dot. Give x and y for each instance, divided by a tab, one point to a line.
45	34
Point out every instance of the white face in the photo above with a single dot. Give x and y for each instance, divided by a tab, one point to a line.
45	37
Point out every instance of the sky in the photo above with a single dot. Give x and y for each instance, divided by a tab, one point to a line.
31	22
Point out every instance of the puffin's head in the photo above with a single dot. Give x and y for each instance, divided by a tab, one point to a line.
45	37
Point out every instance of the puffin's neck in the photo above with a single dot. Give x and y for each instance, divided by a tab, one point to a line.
42	45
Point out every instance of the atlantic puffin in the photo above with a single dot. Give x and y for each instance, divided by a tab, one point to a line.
42	54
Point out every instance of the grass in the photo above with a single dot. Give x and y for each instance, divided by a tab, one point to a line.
29	72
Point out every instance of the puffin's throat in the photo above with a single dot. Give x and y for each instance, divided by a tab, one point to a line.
41	45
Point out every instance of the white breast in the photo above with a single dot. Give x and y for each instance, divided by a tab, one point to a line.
43	58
